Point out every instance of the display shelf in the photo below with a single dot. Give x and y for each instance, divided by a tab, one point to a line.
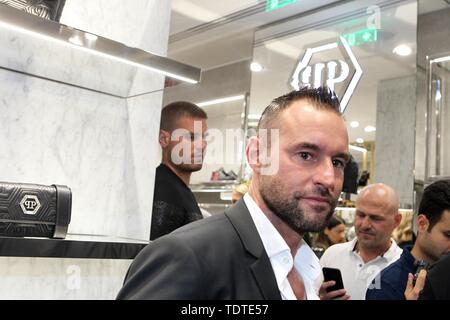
56	52
75	246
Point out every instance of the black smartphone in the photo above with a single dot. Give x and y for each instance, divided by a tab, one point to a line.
335	275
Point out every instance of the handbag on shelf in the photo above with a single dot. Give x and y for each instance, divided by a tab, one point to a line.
33	210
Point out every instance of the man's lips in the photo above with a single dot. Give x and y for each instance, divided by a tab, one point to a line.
318	200
366	233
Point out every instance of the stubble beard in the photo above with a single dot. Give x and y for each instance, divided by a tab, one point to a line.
288	209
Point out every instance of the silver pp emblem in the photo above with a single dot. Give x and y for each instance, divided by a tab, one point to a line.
30	204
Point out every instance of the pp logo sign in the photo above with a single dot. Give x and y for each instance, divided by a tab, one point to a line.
30	204
330	73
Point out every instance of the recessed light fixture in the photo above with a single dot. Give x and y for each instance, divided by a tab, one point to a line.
370	129
255	67
354	124
402	50
360	140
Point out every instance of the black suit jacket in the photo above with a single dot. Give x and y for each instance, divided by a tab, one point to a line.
437	282
221	257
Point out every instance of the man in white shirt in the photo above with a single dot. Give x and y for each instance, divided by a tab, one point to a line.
255	249
373	249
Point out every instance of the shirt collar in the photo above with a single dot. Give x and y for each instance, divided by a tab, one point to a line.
272	240
306	261
388	255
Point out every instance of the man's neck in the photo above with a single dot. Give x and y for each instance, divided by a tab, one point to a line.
369	254
185	176
419	254
292	238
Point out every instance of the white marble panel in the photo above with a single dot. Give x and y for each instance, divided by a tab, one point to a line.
139	23
95	144
50	278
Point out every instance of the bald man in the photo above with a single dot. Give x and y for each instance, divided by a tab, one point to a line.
373	249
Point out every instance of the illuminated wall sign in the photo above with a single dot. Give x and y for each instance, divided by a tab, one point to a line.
335	71
361	37
277	4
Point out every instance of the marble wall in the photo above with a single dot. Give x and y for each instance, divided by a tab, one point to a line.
103	147
49	278
394	145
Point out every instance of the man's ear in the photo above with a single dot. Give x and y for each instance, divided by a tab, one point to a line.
398	218
252	153
422	223
164	138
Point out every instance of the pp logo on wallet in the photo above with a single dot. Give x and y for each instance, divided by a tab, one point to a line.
30	204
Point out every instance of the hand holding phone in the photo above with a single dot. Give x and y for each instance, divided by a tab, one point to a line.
332	274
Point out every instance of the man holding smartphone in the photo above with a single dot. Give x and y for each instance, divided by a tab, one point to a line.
373	249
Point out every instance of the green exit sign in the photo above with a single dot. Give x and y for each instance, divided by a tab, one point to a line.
277	4
361	37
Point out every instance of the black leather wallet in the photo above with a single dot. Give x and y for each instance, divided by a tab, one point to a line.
32	210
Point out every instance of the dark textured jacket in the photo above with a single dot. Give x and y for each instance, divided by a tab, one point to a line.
220	257
174	204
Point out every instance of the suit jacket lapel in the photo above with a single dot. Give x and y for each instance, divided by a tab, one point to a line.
262	269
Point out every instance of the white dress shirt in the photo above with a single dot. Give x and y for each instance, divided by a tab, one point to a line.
357	275
306	262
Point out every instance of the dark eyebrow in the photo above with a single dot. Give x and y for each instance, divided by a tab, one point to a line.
312	146
345	156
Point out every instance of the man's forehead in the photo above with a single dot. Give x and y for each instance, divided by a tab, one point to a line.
190	123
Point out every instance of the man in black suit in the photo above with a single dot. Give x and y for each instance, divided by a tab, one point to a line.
255	249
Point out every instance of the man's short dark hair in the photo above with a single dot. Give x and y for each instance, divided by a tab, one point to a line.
435	200
321	98
175	110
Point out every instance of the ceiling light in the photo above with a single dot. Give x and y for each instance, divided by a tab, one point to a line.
352	147
402	50
256	67
354	124
360	140
370	129
91	37
221	100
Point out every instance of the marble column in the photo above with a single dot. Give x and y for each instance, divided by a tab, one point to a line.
394	146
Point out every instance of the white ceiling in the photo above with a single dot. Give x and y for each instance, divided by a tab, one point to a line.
207	33
197	38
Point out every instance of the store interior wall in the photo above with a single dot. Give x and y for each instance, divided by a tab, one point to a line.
102	147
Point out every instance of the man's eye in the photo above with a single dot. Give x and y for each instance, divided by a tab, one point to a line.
339	164
305	155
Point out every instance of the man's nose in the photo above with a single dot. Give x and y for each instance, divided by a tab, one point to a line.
365	223
325	174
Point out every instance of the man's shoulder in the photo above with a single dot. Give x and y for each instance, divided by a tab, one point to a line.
395	272
205	232
338	248
335	253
